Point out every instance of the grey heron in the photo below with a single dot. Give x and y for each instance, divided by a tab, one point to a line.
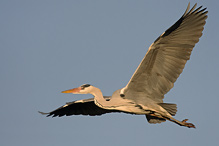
154	77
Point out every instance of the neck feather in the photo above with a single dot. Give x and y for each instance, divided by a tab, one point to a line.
98	98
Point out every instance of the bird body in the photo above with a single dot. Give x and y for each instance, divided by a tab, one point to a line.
154	77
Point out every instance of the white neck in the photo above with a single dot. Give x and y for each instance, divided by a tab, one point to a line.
98	98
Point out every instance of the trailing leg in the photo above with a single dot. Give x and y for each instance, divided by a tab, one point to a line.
182	123
157	118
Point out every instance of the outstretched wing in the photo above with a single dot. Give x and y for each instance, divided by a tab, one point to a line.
80	107
166	58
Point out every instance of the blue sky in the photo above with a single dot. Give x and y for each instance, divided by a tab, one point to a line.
50	46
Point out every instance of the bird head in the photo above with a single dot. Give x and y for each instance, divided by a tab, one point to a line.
83	89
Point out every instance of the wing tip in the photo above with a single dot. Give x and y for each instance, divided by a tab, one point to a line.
187	9
193	10
43	113
47	114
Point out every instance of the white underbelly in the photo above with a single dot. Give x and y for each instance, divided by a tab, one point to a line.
133	109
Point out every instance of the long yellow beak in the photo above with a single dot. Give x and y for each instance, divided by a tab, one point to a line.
75	90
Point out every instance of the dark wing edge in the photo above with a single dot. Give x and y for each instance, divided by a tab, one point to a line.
81	107
179	22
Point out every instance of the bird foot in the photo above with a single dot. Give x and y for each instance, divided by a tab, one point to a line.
189	125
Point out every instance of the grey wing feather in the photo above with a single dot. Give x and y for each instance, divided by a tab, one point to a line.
166	58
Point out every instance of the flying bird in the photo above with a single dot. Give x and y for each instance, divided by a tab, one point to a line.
154	77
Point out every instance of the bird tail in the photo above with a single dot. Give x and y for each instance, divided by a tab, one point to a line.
169	107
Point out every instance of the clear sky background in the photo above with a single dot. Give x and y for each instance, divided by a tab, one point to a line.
48	46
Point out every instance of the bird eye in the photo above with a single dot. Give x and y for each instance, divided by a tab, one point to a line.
84	86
